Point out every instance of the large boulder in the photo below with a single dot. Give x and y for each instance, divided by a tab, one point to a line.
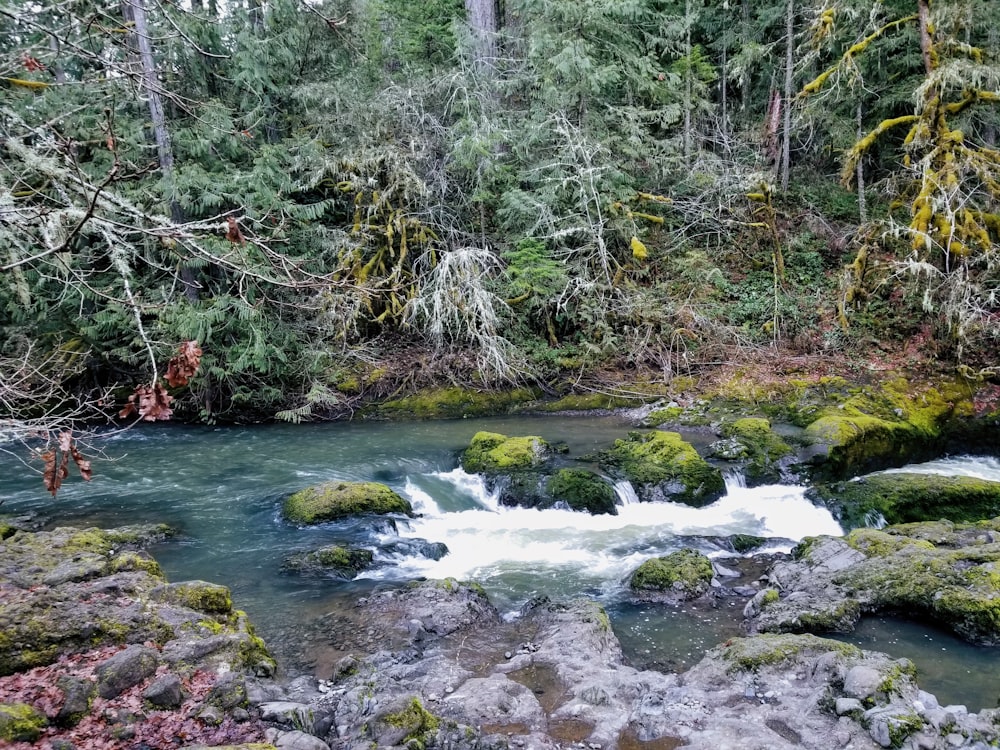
679	576
335	500
493	453
751	443
900	497
663	466
583	490
943	571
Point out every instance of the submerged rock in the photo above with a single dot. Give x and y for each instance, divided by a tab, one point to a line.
334	500
901	497
949	573
335	560
662	466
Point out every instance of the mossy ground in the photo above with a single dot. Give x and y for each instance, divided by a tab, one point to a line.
335	500
750	654
453	403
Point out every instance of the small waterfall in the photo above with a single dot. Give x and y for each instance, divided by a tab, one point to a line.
735	480
625	492
472	485
875	520
421	501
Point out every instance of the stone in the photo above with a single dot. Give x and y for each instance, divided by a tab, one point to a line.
296	740
78	694
862	682
125	669
165	692
228	692
20	722
848	705
334	500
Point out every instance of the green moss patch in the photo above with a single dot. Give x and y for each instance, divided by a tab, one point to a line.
453	403
687	573
491	452
337	560
662	465
335	500
20	722
583	490
905	498
750	654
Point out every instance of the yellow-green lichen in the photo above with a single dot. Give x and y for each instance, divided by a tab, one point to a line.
20	722
419	724
750	654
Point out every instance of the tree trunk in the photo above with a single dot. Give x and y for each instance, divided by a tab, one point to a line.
688	83
484	25
924	14
860	172
135	10
786	135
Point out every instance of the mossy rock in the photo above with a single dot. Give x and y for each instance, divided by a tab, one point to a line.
750	654
493	453
336	560
412	725
752	442
663	466
20	722
453	403
900	497
200	596
685	574
744	543
335	500
583	490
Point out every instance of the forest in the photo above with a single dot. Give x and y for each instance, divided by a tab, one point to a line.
276	209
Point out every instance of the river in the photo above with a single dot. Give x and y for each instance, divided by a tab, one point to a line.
222	489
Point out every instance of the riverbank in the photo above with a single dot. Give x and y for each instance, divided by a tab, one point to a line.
144	663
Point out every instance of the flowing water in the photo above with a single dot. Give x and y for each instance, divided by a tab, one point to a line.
222	488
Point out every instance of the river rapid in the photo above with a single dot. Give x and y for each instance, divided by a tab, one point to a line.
222	489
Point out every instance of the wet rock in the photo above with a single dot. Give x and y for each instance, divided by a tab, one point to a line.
165	692
296	740
662	466
679	576
335	500
333	560
228	692
125	669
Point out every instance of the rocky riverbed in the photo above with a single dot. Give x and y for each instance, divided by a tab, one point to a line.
97	650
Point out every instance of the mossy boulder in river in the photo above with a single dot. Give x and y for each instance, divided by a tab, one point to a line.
334	560
493	453
335	500
680	576
943	571
900	497
662	466
750	442
584	490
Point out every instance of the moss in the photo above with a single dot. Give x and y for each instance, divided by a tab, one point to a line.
588	402
902	726
6	530
878	543
197	595
901	674
20	722
905	498
583	490
664	461
744	543
335	500
345	562
134	561
770	596
418	723
492	452
451	403
252	654
686	570
671	414
750	654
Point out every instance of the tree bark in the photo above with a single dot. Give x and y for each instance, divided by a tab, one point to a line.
924	14
135	10
860	172
786	136
484	24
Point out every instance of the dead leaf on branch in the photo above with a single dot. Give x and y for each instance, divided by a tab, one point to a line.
150	402
56	462
182	367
